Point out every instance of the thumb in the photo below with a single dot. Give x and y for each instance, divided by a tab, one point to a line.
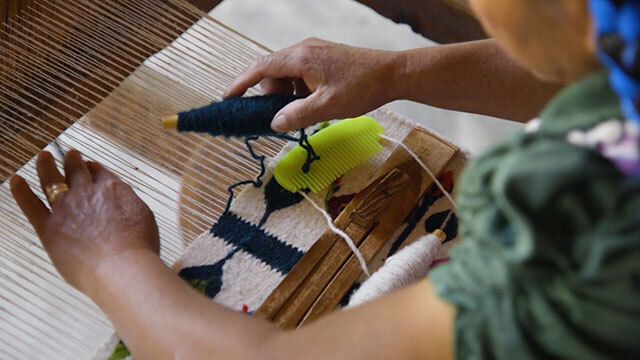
301	113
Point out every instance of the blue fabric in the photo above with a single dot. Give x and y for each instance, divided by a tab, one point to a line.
629	24
617	25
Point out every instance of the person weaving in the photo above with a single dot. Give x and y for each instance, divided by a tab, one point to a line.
549	262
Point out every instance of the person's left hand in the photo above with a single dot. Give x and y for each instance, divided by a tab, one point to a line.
339	81
100	217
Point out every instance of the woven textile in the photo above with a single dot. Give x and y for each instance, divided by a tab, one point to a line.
251	249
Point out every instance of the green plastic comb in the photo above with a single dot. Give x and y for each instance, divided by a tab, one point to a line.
341	147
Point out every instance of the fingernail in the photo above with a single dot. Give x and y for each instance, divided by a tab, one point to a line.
279	123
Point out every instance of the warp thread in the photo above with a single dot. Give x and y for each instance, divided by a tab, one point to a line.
400	270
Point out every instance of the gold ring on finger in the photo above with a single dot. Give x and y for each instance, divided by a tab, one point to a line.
54	190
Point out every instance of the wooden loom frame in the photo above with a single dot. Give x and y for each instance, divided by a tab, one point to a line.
443	21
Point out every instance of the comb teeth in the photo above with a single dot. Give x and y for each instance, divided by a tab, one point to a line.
341	147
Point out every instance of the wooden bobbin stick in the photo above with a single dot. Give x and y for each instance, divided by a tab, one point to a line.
170	122
356	220
435	153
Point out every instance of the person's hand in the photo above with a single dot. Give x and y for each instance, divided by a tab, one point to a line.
99	218
341	81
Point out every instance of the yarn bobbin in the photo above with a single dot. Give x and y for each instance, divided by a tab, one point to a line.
405	267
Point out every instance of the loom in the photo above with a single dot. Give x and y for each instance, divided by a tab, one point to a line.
97	75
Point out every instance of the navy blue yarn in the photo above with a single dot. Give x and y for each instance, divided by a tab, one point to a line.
311	154
618	29
258	180
244	236
436	221
248	117
275	253
303	142
276	197
210	276
429	198
239	117
345	299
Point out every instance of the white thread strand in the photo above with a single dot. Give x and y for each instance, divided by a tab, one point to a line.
350	243
431	174
405	267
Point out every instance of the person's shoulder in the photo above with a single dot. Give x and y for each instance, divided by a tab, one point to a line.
549	227
538	191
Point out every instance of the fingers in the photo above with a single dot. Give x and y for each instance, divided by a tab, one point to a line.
76	170
275	66
302	113
277	86
35	211
99	173
48	171
301	88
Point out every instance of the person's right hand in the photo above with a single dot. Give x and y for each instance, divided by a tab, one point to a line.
341	81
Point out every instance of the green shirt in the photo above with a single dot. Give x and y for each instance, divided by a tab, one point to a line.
549	262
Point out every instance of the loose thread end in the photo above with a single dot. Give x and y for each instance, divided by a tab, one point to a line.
170	122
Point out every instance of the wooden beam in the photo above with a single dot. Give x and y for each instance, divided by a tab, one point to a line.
205	5
443	21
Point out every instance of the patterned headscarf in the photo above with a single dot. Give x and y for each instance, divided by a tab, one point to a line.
617	25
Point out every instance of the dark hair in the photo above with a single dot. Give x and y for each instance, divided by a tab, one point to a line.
617	24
